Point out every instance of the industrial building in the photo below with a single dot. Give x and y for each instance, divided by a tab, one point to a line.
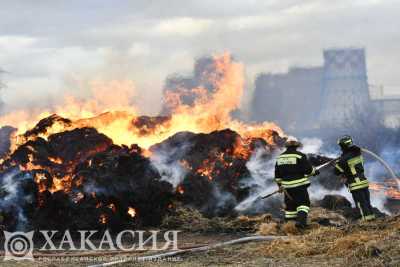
291	99
389	104
331	96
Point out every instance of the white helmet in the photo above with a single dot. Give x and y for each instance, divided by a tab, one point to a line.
292	142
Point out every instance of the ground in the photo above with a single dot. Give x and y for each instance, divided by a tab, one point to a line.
375	243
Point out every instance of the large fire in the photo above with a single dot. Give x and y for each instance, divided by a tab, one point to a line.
111	113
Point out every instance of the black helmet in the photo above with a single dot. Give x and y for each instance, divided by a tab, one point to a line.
345	141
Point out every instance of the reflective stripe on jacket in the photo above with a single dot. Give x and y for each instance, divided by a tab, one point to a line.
351	165
292	169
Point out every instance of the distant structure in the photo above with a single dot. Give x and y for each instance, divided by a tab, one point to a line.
388	104
291	99
332	96
345	94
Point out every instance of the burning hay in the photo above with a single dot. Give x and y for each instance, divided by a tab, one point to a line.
95	183
92	183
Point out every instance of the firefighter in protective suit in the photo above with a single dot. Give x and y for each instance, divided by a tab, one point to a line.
292	171
350	166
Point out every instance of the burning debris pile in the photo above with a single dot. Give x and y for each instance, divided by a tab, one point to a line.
98	164
212	167
79	178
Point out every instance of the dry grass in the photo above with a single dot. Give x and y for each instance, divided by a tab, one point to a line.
191	220
290	228
317	214
376	242
369	244
268	229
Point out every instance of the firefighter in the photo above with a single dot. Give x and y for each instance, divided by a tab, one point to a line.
350	166
292	170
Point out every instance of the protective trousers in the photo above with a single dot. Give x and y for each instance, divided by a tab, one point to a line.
297	202
363	203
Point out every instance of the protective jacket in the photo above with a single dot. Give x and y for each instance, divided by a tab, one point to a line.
351	166
292	169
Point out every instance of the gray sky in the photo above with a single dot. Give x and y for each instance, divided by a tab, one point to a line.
49	46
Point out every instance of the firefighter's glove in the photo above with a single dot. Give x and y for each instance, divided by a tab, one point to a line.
280	189
316	172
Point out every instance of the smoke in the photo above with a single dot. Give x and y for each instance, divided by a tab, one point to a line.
260	182
391	156
317	147
166	159
261	166
5	135
223	200
373	170
13	195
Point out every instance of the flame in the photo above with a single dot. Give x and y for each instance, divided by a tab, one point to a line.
103	218
61	184
79	196
39	179
393	193
132	212
112	207
55	160
111	112
388	187
207	169
180	189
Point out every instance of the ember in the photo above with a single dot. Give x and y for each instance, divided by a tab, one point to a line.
103	219
131	212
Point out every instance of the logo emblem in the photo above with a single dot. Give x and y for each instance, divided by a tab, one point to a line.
18	246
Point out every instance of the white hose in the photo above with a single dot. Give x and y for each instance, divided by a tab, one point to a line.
198	249
384	163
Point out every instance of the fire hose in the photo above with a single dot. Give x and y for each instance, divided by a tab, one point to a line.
384	163
197	249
